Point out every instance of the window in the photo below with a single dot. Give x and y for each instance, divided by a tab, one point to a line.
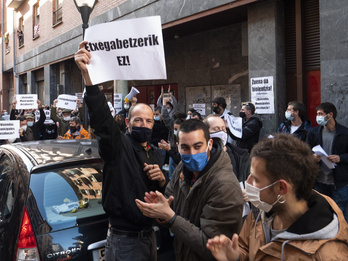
57	11
36	20
65	197
20	32
6	188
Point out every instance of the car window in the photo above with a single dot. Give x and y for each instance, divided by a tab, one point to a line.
6	188
65	197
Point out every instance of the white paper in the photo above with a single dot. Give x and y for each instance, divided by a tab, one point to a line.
9	130
126	50
262	94
26	101
246	206
323	156
235	124
200	107
66	101
118	102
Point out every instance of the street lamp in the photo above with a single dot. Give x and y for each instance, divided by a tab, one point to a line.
85	7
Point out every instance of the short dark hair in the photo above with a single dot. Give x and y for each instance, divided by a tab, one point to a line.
196	113
298	106
328	107
179	115
158	108
288	158
221	101
193	125
21	118
178	121
250	106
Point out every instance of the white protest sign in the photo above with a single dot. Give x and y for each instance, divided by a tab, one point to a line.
9	130
126	50
66	101
199	107
79	96
26	101
262	94
118	102
235	124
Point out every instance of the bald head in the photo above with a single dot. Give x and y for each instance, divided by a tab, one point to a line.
140	115
215	123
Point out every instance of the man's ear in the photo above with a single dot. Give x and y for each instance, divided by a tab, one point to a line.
210	144
127	122
283	187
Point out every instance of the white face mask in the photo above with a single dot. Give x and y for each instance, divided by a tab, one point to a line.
221	135
288	116
66	118
24	127
253	194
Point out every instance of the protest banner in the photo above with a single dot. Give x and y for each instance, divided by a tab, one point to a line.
235	124
262	94
126	50
66	101
9	130
48	116
26	101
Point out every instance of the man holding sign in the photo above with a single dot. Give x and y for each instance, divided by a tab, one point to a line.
131	169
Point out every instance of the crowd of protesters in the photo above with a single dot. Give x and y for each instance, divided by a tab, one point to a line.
215	196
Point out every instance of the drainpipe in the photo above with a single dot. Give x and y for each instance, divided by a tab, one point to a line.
2	36
16	87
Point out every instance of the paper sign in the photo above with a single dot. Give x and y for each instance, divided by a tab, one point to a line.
79	96
262	94
235	124
66	101
200	107
26	101
323	156
118	102
48	116
9	130
126	50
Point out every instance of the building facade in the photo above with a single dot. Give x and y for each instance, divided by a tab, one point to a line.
212	48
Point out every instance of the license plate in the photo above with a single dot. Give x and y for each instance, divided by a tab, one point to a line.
99	254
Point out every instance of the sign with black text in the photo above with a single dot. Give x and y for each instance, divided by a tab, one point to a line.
26	101
66	101
262	94
235	124
9	130
126	50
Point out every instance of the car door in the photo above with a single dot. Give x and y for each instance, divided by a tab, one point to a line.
9	219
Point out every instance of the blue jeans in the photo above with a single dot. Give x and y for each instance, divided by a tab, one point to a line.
339	195
122	247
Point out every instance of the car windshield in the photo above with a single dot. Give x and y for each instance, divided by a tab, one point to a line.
66	197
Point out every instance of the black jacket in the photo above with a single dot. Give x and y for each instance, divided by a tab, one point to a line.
250	133
159	132
239	160
339	147
123	177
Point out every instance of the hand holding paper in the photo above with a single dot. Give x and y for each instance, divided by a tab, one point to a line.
323	156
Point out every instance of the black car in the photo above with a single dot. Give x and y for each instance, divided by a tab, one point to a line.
50	201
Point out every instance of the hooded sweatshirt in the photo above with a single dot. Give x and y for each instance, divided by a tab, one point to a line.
319	234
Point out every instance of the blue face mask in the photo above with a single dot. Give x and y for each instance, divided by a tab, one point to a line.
195	162
157	118
321	120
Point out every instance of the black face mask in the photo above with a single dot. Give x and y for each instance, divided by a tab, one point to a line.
242	114
73	129
141	134
216	109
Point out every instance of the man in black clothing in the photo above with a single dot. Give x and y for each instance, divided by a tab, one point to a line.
130	170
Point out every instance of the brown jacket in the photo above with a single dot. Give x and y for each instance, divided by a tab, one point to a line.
298	246
211	206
